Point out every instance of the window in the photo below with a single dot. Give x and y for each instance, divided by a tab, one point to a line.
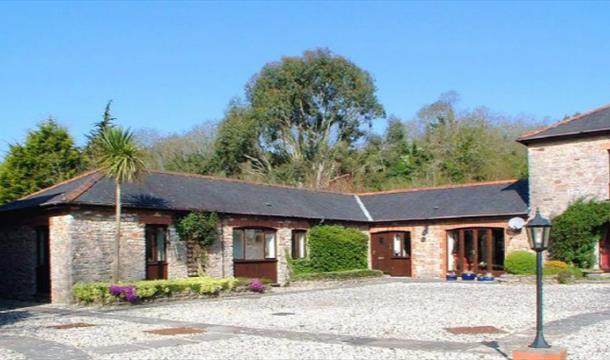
402	245
254	244
298	244
475	249
156	237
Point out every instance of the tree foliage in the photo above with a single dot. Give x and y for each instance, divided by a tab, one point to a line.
577	230
93	147
199	226
47	157
300	112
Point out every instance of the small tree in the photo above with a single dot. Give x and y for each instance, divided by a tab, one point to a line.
202	229
120	158
577	230
93	147
47	157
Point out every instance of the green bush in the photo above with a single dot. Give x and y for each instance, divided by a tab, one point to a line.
99	292
337	275
520	263
569	275
576	231
333	248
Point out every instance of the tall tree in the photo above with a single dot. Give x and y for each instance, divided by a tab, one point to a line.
47	157
304	111
92	148
120	158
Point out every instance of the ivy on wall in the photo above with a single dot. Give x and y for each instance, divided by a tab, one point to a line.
201	228
577	230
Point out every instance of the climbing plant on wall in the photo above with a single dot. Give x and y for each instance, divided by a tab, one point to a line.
577	230
201	229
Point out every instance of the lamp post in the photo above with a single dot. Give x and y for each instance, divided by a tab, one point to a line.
538	231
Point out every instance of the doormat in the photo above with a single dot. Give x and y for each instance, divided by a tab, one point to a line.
176	331
70	326
469	330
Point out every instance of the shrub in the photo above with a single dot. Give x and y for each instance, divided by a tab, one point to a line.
555	264
333	248
104	293
576	231
520	263
566	276
338	275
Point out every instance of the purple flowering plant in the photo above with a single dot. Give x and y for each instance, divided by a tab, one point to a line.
255	285
128	292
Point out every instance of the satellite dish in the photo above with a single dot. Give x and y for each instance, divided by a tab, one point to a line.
516	223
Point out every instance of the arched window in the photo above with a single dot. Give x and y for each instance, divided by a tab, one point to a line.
476	250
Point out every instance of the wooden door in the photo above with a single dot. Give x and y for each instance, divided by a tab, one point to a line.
156	253
43	268
391	253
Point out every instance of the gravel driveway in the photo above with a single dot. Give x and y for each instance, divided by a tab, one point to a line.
387	318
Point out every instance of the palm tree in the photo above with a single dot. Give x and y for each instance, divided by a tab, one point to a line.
120	158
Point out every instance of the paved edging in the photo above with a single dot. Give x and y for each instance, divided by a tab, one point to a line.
34	348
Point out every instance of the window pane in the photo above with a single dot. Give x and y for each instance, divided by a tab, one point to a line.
238	244
482	249
498	249
470	257
298	244
406	248
453	250
160	237
397	245
269	245
302	245
254	244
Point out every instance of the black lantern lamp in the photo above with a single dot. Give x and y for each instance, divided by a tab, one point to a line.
538	233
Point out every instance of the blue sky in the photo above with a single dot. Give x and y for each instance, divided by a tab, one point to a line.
172	65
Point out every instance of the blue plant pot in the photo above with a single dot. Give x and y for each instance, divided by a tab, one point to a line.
469	277
486	278
452	277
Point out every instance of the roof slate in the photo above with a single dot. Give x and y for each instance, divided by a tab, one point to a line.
182	192
506	198
594	121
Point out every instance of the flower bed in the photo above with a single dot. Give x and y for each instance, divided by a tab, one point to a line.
146	290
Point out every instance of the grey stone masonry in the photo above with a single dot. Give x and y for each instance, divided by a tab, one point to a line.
563	171
82	248
18	264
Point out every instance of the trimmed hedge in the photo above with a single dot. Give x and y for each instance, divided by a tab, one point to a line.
100	292
520	263
333	248
337	275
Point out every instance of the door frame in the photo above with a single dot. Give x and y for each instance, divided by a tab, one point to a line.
43	261
604	250
161	266
459	263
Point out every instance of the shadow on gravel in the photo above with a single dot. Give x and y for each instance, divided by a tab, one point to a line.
494	345
13	316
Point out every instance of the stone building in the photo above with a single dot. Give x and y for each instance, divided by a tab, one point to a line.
64	234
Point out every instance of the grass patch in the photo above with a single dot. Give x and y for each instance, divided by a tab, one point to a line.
337	275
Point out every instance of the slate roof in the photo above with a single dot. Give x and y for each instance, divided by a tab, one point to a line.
505	198
592	122
183	192
170	191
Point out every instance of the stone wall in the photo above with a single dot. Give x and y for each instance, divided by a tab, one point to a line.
82	249
18	264
429	242
562	171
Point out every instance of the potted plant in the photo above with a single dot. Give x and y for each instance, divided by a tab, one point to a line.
468	275
451	275
486	277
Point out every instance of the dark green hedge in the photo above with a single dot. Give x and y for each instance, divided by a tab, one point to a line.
333	248
576	231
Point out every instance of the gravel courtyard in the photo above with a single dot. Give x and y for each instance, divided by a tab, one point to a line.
381	319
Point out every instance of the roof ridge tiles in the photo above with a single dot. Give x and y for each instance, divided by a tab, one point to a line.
67	181
439	187
533	133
